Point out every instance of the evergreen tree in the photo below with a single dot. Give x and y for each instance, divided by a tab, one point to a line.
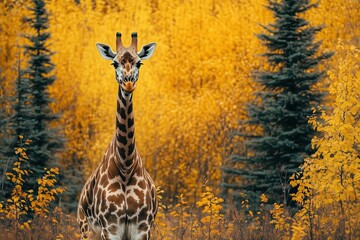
45	138
15	122
283	105
4	131
4	118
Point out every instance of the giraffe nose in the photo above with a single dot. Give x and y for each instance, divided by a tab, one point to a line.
128	86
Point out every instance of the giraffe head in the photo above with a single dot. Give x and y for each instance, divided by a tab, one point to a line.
126	61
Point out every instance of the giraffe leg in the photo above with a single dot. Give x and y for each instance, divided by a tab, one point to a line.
84	226
142	236
139	232
110	227
106	235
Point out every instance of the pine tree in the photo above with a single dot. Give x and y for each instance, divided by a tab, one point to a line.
45	139
283	105
17	122
4	118
4	131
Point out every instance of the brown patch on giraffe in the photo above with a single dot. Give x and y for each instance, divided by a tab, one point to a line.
104	181
150	218
155	206
143	227
132	206
89	195
127	59
102	220
142	184
103	206
115	186
153	193
132	182
112	208
122	216
111	217
112	229
98	194
148	200
103	201
88	212
118	198
113	171
143	214
140	194
81	214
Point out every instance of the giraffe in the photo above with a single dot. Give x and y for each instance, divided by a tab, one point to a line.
118	201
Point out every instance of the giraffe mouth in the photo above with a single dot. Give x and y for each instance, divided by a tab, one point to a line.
128	86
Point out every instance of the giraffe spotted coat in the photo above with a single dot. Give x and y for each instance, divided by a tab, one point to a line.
118	201
124	202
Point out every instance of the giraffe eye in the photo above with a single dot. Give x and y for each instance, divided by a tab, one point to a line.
115	64
138	64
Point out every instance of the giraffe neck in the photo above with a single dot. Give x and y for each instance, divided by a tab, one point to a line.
125	129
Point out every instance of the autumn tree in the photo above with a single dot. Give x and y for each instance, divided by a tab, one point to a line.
330	182
283	104
45	137
23	202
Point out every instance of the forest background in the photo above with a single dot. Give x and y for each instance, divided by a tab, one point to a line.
190	98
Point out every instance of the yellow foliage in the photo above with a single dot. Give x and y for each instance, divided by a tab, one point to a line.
22	202
162	227
183	222
329	185
263	198
281	220
212	220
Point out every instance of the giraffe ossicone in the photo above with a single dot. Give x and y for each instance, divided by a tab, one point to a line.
119	201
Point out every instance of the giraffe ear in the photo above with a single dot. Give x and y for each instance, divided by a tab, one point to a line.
105	51
146	51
